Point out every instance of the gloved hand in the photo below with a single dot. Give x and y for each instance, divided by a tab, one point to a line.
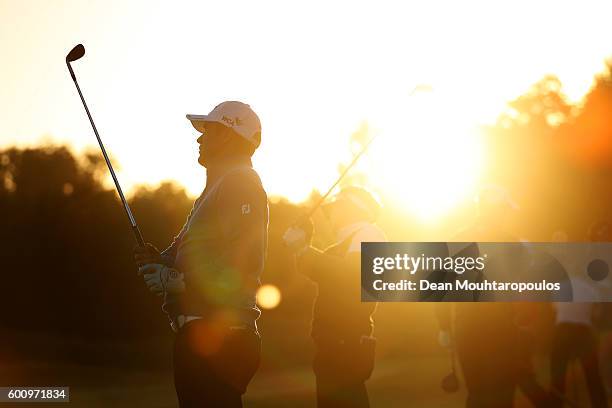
444	339
147	255
298	237
161	280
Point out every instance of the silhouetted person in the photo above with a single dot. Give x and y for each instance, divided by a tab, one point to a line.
488	341
341	326
210	273
601	231
574	336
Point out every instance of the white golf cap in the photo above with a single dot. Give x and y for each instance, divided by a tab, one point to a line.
361	198
235	115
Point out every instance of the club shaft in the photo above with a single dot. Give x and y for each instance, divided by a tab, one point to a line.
126	206
340	178
353	162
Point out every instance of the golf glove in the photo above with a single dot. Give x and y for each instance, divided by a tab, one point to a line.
444	339
161	280
299	236
295	240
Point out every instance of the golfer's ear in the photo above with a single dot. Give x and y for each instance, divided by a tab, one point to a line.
228	134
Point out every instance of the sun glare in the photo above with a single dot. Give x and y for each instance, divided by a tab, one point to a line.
429	158
311	88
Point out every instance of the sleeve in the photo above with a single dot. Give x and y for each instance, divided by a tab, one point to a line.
242	208
319	266
169	254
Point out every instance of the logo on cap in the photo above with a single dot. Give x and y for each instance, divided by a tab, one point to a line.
232	122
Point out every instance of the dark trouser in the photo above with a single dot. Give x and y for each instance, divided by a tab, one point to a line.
534	391
212	365
341	370
527	381
489	370
577	341
488	386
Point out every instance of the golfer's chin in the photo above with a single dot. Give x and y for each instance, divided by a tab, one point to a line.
202	160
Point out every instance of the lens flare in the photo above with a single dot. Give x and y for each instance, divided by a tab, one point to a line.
268	296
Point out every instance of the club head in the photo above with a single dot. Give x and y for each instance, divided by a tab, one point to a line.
450	383
76	53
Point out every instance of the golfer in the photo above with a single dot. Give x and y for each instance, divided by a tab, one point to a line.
210	273
489	338
341	325
575	336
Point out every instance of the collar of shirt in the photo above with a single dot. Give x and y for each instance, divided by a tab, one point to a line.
214	173
347	230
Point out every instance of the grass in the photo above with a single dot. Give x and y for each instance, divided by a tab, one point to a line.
414	383
407	383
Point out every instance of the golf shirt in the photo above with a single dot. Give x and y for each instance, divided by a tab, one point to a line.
222	247
338	313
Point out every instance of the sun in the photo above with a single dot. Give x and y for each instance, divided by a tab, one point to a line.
426	157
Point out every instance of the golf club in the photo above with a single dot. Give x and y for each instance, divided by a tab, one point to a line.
450	383
416	89
76	53
339	179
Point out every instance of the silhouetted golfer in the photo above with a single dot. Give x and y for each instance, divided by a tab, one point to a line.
489	343
575	338
341	325
210	274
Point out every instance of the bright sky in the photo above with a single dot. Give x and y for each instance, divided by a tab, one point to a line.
313	71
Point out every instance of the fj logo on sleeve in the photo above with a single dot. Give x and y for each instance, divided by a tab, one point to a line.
246	209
